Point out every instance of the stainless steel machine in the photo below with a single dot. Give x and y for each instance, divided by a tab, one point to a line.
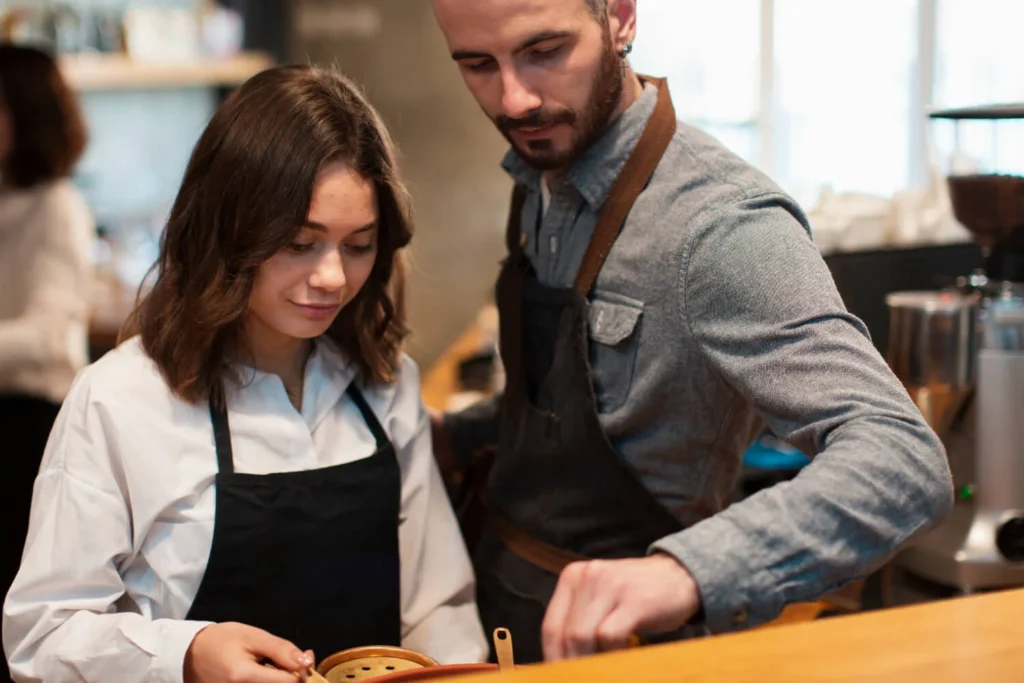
960	353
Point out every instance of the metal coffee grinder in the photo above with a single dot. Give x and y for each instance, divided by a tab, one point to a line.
960	354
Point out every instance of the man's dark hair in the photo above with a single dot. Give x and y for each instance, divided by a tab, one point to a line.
599	8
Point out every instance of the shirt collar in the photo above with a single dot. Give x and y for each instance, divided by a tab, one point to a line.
326	377
595	171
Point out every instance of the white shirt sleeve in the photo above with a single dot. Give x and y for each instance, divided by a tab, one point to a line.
439	612
58	269
59	620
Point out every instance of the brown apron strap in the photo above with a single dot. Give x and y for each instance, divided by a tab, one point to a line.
510	303
548	557
514	231
630	182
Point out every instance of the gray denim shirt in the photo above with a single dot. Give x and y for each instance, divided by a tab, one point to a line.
713	316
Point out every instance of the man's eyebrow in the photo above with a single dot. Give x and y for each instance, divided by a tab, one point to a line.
541	37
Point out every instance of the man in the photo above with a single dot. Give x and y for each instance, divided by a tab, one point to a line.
661	304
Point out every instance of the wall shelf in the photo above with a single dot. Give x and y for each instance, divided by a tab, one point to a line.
120	72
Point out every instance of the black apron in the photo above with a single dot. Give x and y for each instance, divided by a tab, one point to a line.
557	486
310	556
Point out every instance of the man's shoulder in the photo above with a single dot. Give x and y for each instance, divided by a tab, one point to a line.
702	165
700	180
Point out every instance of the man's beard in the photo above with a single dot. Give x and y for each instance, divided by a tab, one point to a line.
588	125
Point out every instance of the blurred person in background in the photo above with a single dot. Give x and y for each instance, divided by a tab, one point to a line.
46	234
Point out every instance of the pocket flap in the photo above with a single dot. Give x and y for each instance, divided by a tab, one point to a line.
612	322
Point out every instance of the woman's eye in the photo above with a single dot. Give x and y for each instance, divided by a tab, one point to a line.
300	248
360	248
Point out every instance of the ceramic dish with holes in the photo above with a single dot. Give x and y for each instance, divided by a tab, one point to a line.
366	663
502	646
397	665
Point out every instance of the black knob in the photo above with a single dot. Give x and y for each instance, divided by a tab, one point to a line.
1010	539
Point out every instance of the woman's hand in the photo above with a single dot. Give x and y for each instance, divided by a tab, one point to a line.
231	653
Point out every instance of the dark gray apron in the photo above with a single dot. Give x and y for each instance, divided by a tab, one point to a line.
557	489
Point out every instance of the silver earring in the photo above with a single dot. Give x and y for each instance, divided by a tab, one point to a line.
626	50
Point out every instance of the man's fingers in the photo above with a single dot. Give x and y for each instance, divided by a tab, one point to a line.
616	631
594	601
553	628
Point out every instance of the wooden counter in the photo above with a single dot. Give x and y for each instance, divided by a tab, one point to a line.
967	640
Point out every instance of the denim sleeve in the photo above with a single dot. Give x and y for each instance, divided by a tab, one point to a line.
760	303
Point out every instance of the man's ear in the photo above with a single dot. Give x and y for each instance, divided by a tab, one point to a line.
622	23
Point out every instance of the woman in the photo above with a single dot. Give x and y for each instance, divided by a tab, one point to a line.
250	475
46	235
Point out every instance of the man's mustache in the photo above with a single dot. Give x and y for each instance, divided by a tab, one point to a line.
537	119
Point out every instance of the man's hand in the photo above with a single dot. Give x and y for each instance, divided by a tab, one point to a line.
231	653
599	605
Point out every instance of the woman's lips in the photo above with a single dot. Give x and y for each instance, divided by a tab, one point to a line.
318	311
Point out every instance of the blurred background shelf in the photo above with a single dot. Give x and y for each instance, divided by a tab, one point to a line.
120	72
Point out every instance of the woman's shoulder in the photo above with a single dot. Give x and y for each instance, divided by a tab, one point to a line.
404	384
404	404
113	405
406	378
397	404
124	374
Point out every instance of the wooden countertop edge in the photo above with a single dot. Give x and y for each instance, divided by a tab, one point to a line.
967	639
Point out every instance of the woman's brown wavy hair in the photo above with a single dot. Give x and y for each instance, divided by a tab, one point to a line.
245	193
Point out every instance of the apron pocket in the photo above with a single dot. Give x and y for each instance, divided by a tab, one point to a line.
612	323
514	594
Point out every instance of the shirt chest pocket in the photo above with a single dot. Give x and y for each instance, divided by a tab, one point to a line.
613	330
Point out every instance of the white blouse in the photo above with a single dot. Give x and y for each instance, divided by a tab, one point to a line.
46	269
123	515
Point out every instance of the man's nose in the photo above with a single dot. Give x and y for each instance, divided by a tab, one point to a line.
517	99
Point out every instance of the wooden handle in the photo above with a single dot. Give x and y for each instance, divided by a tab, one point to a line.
503	648
311	675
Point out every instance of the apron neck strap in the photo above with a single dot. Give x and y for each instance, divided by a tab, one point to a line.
222	430
371	420
630	182
222	436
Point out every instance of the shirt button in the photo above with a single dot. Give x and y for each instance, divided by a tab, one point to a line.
740	616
